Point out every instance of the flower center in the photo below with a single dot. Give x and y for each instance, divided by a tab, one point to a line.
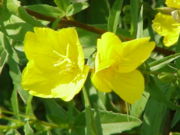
64	63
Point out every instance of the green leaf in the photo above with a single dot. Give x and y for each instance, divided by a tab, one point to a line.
158	64
13	26
55	112
16	25
154	118
157	108
178	51
135	16
22	13
111	122
15	74
162	92
93	126
79	124
27	129
14	69
124	34
3	54
138	107
29	109
88	51
117	123
12	5
12	132
70	8
167	76
6	88
97	13
139	33
114	17
87	39
63	4
176	119
15	103
97	98
46	10
75	8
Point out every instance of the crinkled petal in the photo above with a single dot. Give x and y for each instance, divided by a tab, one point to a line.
50	85
165	25
133	54
129	86
173	3
107	48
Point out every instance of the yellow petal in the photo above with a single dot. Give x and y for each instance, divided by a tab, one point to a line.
37	82
129	86
99	79
107	48
75	48
165	25
51	85
169	40
128	55
173	3
46	44
133	54
68	90
56	63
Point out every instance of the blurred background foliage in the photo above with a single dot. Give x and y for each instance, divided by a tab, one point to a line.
91	112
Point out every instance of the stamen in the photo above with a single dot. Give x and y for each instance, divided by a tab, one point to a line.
64	57
59	54
60	62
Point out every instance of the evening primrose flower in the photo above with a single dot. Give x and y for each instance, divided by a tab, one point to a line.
167	22
116	63
55	67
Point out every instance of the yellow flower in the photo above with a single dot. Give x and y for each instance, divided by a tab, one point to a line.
116	63
56	63
167	25
173	3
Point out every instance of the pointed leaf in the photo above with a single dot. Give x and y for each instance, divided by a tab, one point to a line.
46	10
158	64
114	17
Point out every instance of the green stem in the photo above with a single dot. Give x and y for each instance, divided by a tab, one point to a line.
91	123
65	22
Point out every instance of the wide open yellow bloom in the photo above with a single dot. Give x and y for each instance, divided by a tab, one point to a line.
167	25
116	63
56	63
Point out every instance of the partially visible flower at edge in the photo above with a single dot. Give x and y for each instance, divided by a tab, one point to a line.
55	67
116	63
168	26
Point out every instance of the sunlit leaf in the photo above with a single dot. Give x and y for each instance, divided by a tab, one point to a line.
46	10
